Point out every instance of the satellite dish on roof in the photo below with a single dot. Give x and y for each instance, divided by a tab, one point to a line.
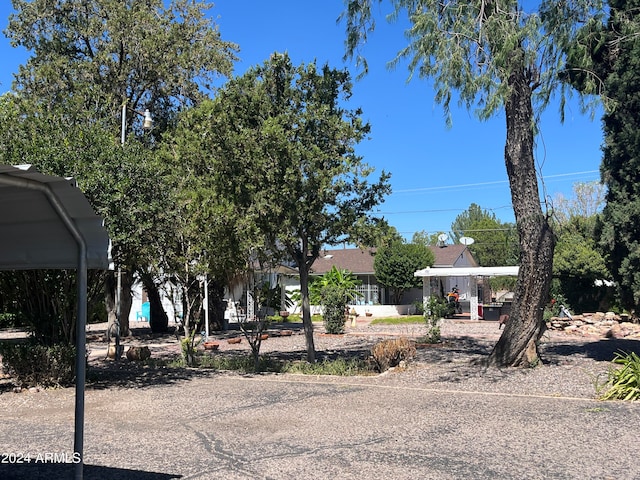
443	237
466	241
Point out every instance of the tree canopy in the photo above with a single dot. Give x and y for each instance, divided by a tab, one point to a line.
396	264
495	243
604	61
494	56
281	143
88	60
103	53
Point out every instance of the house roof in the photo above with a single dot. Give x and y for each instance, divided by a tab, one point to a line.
353	259
360	262
447	255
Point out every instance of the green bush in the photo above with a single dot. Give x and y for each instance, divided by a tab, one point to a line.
33	365
333	309
389	353
418	307
624	380
7	320
437	308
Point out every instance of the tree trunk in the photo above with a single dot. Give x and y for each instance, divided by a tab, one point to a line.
518	345
111	285
159	321
306	310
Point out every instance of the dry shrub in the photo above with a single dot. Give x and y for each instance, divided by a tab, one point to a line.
33	365
389	353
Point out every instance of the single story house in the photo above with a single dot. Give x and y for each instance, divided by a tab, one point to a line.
360	263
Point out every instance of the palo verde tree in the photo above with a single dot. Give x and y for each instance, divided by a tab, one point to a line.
283	145
604	61
500	57
92	58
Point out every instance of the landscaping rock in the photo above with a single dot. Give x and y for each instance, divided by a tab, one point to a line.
599	324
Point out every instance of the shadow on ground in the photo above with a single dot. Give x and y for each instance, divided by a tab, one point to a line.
134	375
48	471
474	350
602	350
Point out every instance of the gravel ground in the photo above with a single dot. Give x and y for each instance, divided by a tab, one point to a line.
572	365
440	417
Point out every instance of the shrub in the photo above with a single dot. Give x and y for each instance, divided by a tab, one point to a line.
418	307
7	320
389	353
333	308
623	382
33	365
437	308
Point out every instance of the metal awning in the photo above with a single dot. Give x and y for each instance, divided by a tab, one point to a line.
33	233
468	272
46	222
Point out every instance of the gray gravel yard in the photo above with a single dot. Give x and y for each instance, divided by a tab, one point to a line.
440	417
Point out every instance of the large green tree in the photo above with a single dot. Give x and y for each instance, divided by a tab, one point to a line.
499	55
579	262
396	264
604	61
124	188
91	60
494	243
282	143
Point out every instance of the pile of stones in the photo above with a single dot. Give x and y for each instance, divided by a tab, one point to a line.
599	324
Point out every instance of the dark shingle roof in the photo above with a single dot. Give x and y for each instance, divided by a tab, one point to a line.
361	261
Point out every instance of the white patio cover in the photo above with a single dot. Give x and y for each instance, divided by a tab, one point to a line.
471	272
468	272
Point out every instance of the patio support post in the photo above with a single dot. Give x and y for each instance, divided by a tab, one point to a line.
473	304
426	292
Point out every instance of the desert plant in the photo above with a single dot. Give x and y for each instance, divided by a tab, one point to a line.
389	353
31	364
623	378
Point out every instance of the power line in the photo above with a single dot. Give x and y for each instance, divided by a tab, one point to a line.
484	184
440	210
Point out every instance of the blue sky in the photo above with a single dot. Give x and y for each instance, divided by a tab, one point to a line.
437	172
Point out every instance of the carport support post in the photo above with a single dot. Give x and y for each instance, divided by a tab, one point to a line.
81	360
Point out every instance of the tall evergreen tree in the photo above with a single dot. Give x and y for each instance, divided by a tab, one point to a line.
604	61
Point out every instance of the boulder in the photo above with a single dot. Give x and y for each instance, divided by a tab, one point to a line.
138	354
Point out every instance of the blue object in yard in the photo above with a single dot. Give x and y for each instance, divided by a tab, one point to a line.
145	314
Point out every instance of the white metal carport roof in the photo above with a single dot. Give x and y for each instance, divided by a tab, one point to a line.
47	223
